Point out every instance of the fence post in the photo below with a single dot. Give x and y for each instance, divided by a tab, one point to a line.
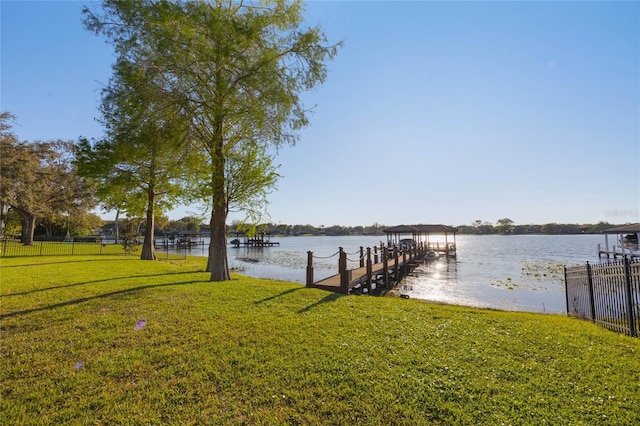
361	257
309	268
41	247
375	254
627	292
592	302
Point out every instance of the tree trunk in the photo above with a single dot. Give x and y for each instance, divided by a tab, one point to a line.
217	263
4	210
48	228
148	245
117	226
28	226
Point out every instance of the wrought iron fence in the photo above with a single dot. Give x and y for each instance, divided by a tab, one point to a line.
56	246
607	294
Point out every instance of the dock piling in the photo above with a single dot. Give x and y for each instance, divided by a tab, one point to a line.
369	268
309	268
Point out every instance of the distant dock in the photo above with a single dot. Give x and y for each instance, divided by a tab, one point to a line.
258	241
625	242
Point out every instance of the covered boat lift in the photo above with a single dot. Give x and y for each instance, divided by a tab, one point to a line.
625	242
425	234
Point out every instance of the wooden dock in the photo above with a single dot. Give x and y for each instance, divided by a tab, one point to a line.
378	271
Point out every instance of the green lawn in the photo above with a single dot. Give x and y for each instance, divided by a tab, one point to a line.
75	351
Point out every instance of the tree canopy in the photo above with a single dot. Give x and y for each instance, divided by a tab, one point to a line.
39	180
140	163
234	72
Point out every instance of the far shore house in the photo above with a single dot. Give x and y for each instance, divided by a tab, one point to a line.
437	238
625	242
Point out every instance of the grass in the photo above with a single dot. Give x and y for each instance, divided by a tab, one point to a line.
250	351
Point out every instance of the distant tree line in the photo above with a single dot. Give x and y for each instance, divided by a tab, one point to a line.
507	227
504	227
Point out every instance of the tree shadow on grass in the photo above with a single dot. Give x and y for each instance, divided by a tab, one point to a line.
97	296
64	261
22	293
258	302
331	297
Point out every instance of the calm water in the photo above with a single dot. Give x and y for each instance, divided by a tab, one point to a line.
518	272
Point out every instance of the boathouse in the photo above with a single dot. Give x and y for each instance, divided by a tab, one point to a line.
439	239
624	242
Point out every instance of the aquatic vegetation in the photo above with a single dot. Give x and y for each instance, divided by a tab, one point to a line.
508	284
547	270
296	260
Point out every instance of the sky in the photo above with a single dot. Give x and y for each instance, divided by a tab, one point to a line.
432	112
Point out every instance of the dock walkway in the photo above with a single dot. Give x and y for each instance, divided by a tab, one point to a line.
370	277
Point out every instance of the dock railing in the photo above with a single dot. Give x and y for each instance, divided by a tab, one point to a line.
607	294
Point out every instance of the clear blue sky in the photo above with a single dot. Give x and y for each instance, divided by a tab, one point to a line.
433	112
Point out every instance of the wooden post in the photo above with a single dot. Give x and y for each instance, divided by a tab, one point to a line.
395	264
385	267
369	269
404	262
309	268
342	270
446	244
375	254
361	257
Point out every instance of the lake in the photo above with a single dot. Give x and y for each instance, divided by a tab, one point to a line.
514	272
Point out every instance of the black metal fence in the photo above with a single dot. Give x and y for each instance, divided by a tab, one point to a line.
607	294
44	246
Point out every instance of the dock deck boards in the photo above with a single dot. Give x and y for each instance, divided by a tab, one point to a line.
385	274
357	275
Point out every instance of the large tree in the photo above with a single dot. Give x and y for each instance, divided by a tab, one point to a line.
39	180
140	164
235	69
8	142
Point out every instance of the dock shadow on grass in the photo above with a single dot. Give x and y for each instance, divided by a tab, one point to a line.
331	297
39	290
88	298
